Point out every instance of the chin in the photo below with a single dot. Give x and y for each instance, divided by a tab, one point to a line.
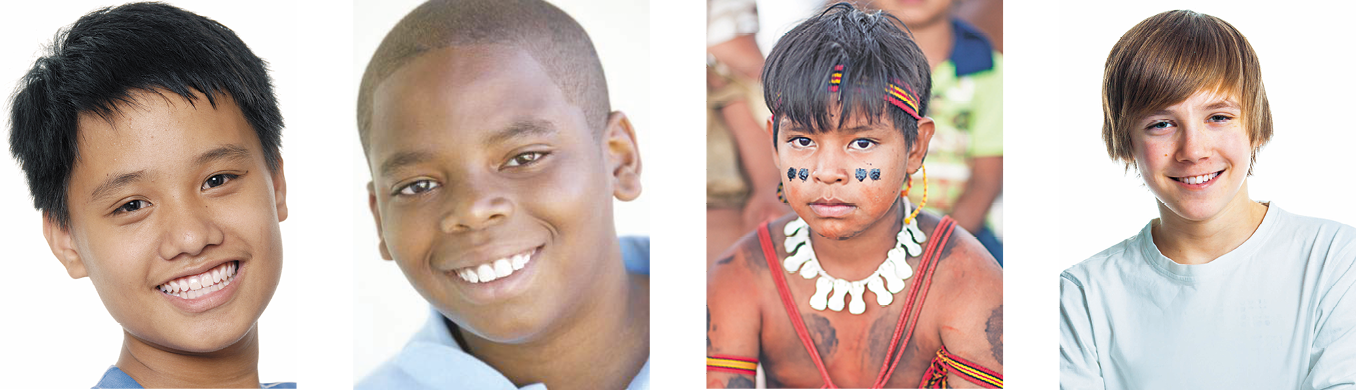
501	327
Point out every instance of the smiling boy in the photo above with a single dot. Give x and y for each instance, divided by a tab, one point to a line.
150	139
495	158
1220	291
818	297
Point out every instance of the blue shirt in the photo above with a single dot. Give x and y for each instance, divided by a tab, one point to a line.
433	360
114	378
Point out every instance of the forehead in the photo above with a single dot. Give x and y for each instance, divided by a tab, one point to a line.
159	131
466	93
855	123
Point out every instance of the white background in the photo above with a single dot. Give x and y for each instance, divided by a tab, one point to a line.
1068	200
57	332
387	310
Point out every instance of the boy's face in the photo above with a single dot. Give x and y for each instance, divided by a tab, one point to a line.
1194	155
164	193
491	191
830	197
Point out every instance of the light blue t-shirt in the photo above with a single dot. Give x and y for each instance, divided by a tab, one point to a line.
114	378
433	360
1278	312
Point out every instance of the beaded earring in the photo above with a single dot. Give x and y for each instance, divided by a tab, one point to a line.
905	193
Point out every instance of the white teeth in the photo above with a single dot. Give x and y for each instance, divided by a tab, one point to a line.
497	269
1199	179
486	273
502	268
195	286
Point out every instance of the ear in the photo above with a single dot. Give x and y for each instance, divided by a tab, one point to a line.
280	191
919	149
623	157
59	239
376	216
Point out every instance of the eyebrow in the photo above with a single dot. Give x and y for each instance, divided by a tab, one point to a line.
111	185
403	159
1212	106
520	129
227	152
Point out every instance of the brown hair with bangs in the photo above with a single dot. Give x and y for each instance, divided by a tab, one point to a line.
1168	57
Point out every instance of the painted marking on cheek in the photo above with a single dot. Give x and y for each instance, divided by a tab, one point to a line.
804	174
790	173
861	174
875	174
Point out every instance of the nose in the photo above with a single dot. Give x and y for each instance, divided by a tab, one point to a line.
476	207
1194	144
830	169
190	228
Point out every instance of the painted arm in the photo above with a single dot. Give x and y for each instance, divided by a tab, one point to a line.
732	323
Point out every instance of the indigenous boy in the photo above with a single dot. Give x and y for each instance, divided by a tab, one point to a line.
150	139
1220	291
818	296
494	163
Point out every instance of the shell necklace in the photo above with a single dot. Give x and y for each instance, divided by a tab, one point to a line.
830	291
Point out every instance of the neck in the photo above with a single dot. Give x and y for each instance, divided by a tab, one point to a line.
1199	242
857	257
236	366
603	344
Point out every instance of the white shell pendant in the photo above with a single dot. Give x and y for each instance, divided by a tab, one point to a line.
795	260
810	269
893	282
840	290
793	227
856	305
820	300
877	286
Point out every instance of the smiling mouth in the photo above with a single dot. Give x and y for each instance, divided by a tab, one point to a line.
194	286
1199	179
497	269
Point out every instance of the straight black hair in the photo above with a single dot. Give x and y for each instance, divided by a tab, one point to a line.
97	63
875	50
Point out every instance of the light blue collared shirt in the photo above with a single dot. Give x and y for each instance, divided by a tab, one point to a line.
433	360
114	378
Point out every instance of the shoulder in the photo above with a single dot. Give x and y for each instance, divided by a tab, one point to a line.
963	265
738	270
636	253
1110	262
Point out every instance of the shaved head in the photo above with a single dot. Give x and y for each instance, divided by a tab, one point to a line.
539	29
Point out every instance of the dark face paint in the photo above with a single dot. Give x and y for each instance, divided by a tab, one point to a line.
861	174
804	174
875	174
790	173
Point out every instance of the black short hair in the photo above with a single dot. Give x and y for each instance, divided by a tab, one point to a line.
545	32
97	63
875	50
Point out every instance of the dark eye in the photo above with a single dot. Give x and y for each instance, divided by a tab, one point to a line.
1159	125
802	142
218	180
862	143
131	206
524	159
1220	118
418	187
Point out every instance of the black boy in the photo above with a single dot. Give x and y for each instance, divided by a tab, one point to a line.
495	160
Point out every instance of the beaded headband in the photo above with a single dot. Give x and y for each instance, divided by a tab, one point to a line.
904	98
